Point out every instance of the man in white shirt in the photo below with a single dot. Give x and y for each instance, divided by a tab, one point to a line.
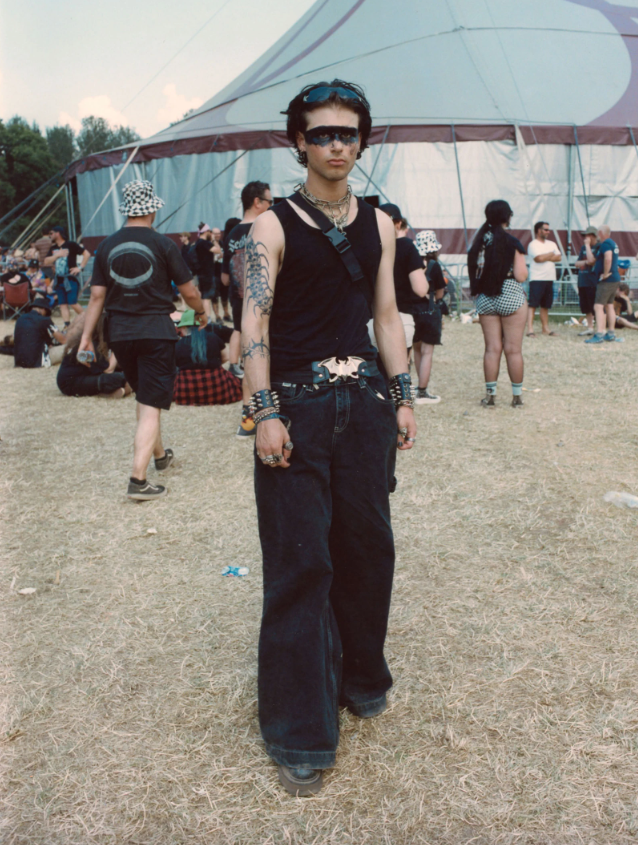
544	255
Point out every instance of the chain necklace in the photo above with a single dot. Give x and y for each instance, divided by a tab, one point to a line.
331	208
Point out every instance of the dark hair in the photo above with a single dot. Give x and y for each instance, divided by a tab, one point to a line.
624	287
59	229
250	193
540	225
298	109
229	226
495	247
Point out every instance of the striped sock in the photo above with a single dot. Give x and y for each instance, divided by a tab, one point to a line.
517	389
490	388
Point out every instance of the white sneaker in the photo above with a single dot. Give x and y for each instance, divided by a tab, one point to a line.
424	397
588	331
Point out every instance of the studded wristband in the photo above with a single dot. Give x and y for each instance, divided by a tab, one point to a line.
264	399
401	390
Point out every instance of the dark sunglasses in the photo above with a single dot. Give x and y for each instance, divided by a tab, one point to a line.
267	199
317	95
321	136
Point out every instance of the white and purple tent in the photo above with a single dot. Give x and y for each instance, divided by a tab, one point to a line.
472	100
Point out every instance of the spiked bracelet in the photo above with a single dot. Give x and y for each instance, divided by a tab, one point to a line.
401	390
264	399
265	414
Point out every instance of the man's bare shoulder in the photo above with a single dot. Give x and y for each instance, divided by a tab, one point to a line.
268	230
386	227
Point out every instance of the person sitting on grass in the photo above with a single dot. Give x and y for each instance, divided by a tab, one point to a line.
100	378
625	316
201	379
33	332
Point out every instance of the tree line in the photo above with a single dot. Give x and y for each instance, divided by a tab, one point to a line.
30	157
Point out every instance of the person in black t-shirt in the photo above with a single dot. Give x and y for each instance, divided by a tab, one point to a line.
206	249
315	386
428	319
496	267
221	291
255	199
132	279
410	284
63	257
32	334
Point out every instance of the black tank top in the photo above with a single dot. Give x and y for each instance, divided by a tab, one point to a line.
319	312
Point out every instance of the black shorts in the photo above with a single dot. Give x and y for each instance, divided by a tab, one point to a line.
541	294
238	305
207	287
427	328
586	297
149	367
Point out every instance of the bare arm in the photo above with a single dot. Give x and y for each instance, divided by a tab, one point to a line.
262	258
193	299
93	311
86	256
439	294
520	267
388	328
607	265
547	256
419	282
225	279
590	258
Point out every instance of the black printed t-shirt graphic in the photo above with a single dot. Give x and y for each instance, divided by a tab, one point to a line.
234	259
32	333
318	311
137	265
63	266
406	260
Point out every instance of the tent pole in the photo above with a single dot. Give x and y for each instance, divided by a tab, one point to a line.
633	139
25	201
21	244
68	211
458	176
376	161
110	190
570	197
582	176
36	218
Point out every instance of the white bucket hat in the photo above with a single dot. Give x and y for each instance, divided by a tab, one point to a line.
426	242
140	199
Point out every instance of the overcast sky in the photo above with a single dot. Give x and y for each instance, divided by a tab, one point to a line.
61	60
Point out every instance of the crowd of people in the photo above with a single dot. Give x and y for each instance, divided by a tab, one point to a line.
328	299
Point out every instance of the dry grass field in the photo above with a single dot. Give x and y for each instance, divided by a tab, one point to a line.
128	679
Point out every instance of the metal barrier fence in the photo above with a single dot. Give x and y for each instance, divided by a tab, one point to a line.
565	288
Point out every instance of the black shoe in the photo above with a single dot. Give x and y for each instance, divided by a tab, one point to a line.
369	711
489	401
145	492
301	781
517	402
165	462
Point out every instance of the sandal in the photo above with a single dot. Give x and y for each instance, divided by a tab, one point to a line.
531	334
550	334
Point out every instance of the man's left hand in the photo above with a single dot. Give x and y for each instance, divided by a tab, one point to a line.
202	320
405	420
75	271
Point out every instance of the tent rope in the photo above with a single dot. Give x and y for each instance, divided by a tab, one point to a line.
109	192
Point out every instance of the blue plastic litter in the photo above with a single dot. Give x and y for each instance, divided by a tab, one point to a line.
235	571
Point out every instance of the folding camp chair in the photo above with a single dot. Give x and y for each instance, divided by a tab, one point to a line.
17	297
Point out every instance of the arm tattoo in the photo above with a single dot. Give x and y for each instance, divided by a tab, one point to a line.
256	349
257	285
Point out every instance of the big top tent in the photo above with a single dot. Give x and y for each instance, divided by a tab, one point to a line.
472	100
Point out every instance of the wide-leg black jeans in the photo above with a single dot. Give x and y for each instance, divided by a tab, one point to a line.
328	562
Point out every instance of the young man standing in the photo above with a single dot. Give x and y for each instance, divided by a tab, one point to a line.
64	258
255	199
323	509
605	264
587	280
542	275
132	279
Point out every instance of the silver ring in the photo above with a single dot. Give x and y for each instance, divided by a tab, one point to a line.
410	439
278	458
289	446
403	432
269	459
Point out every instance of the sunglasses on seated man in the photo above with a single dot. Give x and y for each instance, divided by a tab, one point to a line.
321	136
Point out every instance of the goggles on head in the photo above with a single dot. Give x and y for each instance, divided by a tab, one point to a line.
321	136
318	95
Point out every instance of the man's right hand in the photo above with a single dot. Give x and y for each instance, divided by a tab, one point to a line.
271	437
86	345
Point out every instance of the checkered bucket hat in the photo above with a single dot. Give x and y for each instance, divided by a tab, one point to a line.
426	242
139	199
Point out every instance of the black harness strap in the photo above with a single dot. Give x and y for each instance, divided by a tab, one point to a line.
339	241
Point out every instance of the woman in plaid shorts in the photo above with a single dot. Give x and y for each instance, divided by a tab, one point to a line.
496	265
201	379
